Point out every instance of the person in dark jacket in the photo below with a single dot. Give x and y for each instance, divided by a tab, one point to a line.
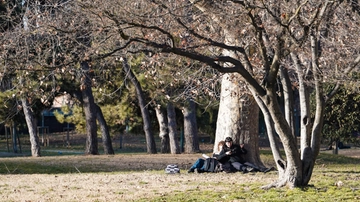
232	156
232	153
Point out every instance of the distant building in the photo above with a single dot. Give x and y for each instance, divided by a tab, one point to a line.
48	122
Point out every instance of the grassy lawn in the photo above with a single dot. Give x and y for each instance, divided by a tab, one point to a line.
65	174
335	178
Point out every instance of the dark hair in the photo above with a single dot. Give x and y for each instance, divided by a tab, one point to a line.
228	139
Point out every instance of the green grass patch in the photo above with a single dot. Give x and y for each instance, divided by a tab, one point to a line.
331	181
33	168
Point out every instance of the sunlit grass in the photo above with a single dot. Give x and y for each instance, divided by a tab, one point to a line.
331	181
335	178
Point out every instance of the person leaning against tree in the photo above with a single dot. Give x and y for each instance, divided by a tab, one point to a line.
231	153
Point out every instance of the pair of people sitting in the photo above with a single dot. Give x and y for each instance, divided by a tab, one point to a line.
230	158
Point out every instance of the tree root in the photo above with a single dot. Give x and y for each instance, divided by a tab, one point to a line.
277	184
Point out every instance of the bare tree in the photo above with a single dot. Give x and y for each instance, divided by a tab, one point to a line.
261	38
254	43
150	141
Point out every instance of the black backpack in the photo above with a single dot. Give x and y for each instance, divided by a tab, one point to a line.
210	165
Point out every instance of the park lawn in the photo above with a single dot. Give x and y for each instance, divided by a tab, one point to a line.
110	178
330	181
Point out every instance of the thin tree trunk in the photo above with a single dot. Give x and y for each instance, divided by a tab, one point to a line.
106	139
280	163
174	143
150	140
7	138
163	129
30	122
288	98
13	138
190	128
310	153
90	112
304	106
18	139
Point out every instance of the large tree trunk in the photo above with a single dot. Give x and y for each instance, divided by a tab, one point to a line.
190	128
106	139
249	133
238	117
293	171
90	112
150	140
230	122
31	124
174	143
163	129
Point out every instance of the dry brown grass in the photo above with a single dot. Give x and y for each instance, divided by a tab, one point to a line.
110	186
132	177
147	182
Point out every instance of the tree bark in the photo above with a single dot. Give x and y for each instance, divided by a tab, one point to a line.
30	122
163	129
288	98
150	141
106	139
228	120
174	143
190	127
90	111
293	171
280	163
249	133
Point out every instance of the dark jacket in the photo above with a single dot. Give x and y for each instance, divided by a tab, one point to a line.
216	156
236	154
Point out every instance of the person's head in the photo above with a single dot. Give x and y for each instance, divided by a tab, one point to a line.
220	145
228	141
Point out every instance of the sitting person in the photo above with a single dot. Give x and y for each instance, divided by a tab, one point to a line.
231	157
198	166
231	153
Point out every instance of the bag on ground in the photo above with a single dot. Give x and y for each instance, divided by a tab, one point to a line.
210	165
172	169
